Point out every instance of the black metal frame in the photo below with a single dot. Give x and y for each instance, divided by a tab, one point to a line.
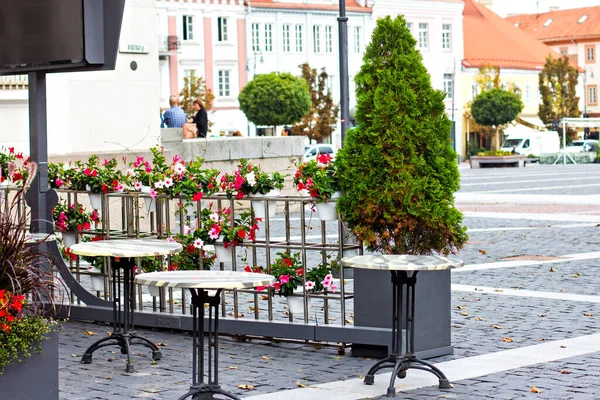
201	390
402	356
123	334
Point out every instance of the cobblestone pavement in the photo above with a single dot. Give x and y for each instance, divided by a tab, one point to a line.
481	322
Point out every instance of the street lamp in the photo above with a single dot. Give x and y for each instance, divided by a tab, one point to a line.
248	61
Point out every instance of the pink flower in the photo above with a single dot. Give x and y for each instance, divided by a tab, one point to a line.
239	181
170	239
186	230
176	158
58	182
152	193
214	232
138	185
284	279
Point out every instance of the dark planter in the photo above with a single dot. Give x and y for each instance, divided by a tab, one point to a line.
373	308
36	378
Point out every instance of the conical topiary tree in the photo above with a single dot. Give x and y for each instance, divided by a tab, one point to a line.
397	168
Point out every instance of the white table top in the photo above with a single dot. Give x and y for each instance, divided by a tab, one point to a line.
205	279
401	262
126	248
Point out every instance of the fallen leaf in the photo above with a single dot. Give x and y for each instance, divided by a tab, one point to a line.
154	362
232	357
585	314
542	315
542	339
302	385
224	348
464	314
299	370
265	358
318	346
247	387
478	319
563	347
565	372
461	307
507	340
576	275
159	344
551	270
483	252
361	377
90	333
496	327
535	390
232	367
498	290
264	297
73	355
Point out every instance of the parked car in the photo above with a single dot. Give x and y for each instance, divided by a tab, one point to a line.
312	151
580	146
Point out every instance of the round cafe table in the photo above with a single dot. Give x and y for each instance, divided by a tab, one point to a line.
124	253
404	269
199	283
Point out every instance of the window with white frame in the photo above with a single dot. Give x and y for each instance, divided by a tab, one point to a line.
357	39
255	37
409	25
268	37
188	27
474	90
224	87
528	94
187	73
448	86
592	95
222	30
329	83
423	35
316	38
446	36
299	39
329	39
286	38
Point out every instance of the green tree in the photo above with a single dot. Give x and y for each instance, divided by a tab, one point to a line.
496	107
194	87
397	169
275	99
558	81
320	121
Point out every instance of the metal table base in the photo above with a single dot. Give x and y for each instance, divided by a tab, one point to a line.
403	316
123	334
209	366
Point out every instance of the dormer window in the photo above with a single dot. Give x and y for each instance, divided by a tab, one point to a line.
547	23
582	19
517	24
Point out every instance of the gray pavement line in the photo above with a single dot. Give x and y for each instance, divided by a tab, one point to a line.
455	370
531	228
526	293
533	216
487	177
537	188
526	199
523	263
516	182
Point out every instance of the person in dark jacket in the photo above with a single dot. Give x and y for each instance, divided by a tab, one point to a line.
201	118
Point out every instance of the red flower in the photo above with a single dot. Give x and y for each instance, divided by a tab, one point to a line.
190	248
248	269
299	271
17	176
104	188
241	234
197	196
287	262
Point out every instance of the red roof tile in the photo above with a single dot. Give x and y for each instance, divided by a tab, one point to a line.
491	40
564	26
351	5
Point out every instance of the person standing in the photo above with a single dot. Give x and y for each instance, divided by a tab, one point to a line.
174	117
201	118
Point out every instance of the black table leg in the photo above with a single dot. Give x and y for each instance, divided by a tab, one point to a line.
402	359
201	390
123	334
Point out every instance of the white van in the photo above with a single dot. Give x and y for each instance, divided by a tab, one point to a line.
533	142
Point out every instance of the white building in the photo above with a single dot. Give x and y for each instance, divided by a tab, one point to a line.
507	8
438	28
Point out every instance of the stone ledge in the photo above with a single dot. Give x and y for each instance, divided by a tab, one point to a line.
497	161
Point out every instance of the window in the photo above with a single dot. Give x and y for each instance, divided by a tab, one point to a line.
187	73
329	39
590	54
409	26
188	27
582	19
255	37
423	35
299	47
316	38
446	37
224	83
222	29
526	144
448	87
592	97
357	39
528	94
564	51
268	37
329	83
286	38
474	90
548	22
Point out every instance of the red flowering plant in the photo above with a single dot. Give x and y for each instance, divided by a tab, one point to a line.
14	167
233	230
249	179
146	173
102	178
67	176
287	270
191	181
317	178
74	217
189	258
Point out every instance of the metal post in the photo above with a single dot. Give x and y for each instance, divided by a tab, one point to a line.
564	141
344	96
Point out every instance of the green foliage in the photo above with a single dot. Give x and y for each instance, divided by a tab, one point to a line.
275	99
194	87
397	170
321	119
285	269
496	153
496	107
558	83
318	178
25	335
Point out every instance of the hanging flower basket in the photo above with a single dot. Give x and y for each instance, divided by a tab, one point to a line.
224	255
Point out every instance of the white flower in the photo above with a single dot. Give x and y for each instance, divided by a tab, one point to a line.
159	184
251	178
309	285
138	185
214	217
198	243
168	182
179	168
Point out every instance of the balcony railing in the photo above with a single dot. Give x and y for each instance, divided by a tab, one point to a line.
14	82
169	44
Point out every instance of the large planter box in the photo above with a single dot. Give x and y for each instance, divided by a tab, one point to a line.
36	378
373	308
497	161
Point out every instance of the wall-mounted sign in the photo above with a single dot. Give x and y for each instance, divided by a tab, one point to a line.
136	48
